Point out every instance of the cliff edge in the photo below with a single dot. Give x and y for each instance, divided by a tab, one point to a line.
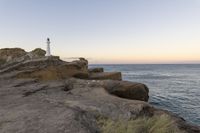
41	94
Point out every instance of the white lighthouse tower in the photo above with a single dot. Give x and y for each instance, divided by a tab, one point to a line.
48	51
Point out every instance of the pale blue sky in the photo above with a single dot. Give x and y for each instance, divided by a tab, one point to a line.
105	31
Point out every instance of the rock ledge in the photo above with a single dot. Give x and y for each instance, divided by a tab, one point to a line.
41	94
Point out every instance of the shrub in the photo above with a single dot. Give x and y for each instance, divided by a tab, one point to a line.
155	124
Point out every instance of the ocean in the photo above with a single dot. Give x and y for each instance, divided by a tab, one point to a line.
173	87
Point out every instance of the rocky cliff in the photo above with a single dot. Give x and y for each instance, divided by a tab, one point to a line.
41	94
14	55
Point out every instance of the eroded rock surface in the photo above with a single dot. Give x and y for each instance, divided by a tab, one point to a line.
105	75
96	70
11	56
129	90
28	105
34	107
34	64
44	95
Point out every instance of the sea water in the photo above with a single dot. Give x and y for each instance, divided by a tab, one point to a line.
173	87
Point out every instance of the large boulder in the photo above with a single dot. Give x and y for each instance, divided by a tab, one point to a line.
106	75
128	90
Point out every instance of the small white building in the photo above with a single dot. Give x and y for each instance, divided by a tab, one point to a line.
48	51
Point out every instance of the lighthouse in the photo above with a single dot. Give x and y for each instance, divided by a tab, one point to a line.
48	51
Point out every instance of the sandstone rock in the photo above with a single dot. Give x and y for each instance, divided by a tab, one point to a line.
129	90
48	68
13	56
10	54
38	53
34	64
106	75
82	63
65	104
95	70
30	106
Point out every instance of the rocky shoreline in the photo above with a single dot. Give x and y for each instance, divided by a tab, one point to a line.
41	94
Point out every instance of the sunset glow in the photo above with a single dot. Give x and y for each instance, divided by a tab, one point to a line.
106	31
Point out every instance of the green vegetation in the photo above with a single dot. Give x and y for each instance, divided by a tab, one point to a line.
39	52
2	61
155	124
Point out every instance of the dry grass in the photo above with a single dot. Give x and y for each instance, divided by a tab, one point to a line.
155	124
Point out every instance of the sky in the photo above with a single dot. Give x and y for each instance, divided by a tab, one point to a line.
105	31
